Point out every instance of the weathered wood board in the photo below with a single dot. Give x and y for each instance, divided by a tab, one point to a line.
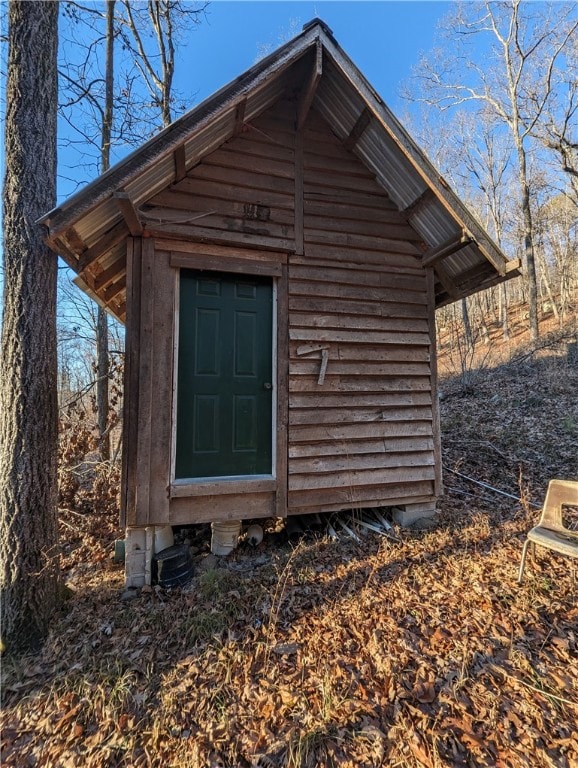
356	418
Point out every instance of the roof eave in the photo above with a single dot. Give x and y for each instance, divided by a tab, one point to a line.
445	203
60	218
419	160
496	279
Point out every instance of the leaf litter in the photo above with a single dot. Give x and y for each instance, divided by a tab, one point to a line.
413	650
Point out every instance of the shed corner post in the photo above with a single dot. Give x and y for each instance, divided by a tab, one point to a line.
130	382
430	283
282	392
137	543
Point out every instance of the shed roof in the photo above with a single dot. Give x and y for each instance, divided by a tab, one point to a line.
90	228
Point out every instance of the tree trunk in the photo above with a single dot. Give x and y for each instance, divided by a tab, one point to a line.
102	374
102	350
547	285
504	311
467	326
29	569
483	323
531	280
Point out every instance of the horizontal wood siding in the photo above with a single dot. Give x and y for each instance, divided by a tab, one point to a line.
355	421
362	433
234	212
206	509
242	192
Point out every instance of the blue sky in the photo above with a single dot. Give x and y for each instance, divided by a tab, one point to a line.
384	39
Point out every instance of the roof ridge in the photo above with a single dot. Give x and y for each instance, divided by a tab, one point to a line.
319	22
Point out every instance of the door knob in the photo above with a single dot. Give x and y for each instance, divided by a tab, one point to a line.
267	385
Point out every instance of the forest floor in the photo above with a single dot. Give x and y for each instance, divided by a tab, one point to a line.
416	651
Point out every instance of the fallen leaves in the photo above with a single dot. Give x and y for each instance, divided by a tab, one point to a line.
412	669
425	693
420	652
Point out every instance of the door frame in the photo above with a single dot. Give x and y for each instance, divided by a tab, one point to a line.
258	264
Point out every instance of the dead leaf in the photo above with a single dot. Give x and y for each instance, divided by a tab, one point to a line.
67	717
419	752
122	722
561	642
425	693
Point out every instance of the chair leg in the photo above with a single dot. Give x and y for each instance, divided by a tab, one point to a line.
524	553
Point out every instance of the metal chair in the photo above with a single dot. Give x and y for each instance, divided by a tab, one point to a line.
550	531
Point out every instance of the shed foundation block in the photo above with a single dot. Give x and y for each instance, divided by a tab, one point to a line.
140	545
410	513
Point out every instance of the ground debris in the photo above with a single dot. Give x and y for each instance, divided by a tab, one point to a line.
355	652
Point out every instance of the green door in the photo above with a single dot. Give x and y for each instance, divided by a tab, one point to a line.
225	375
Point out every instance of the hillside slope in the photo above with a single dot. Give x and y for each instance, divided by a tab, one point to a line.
413	650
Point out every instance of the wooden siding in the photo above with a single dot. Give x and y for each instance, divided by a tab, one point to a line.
233	212
131	383
242	193
207	509
303	209
151	303
362	434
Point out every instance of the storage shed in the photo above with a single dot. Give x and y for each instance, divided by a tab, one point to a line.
277	255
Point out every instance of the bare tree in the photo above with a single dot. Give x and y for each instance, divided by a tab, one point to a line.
86	85
163	15
468	335
516	81
487	162
165	18
110	111
102	351
557	229
28	403
558	128
101	111
562	138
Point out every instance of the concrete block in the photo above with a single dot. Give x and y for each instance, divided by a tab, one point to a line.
140	545
409	513
138	555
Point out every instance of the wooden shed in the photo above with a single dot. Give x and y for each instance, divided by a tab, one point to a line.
277	255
